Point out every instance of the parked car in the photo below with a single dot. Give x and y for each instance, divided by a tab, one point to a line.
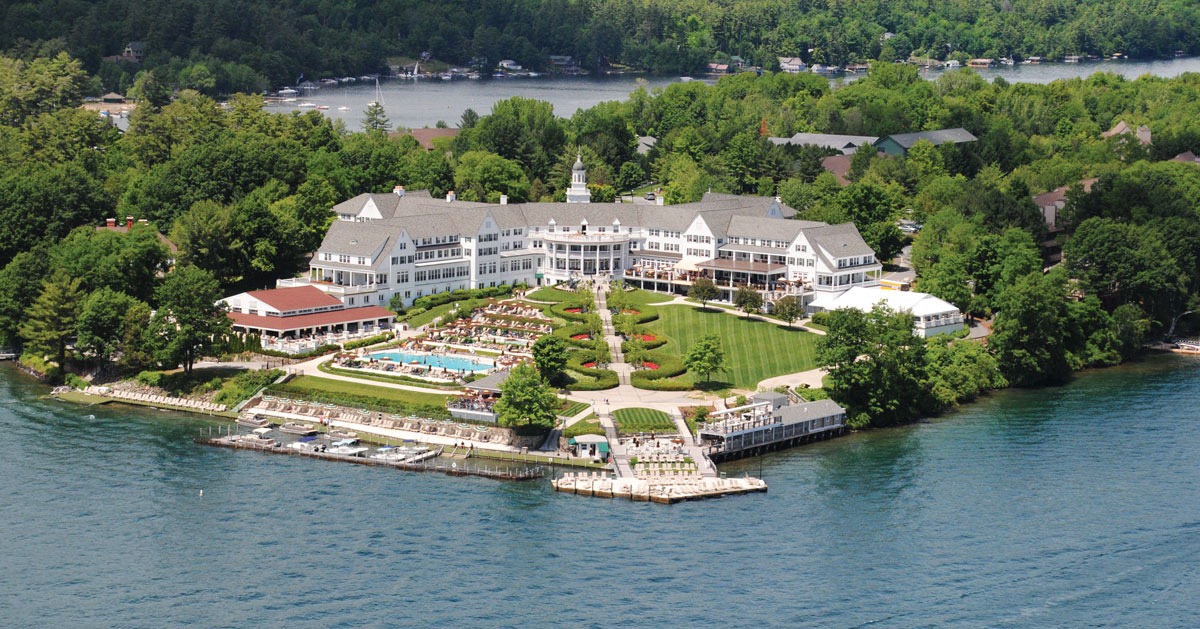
649	196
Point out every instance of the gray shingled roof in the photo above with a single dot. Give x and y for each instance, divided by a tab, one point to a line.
837	241
810	410
352	238
491	382
941	136
828	140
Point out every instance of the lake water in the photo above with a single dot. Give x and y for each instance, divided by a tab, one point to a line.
1076	505
422	103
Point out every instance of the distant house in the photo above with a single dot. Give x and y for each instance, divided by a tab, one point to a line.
1142	133
135	49
645	144
426	136
112	225
981	63
308	86
509	64
112	97
792	65
718	68
737	62
845	143
1051	203
1186	157
839	165
300	311
898	144
566	63
932	316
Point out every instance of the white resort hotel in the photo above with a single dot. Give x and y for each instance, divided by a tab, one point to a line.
410	244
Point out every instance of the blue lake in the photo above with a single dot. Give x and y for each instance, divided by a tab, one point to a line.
1069	506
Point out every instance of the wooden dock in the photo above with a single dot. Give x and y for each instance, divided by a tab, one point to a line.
453	469
600	486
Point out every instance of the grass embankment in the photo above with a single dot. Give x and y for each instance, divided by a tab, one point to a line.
589	425
233	385
552	294
754	349
385	399
634	420
523	458
571	409
437	312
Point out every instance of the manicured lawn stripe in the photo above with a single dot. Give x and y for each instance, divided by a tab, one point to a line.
631	420
755	350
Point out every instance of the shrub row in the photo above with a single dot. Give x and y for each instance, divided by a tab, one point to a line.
656	343
320	351
669	366
567	331
370	341
560	310
430	301
605	378
821	318
353	373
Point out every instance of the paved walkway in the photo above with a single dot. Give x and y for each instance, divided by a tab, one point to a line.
812	378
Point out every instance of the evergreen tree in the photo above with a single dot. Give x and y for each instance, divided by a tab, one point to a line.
50	322
376	120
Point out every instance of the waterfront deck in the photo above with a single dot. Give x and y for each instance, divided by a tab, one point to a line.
599	485
452	469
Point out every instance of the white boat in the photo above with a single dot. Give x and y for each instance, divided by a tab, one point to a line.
307	105
474	76
322	107
343	108
347	450
287	91
257	421
446	76
296	428
686	79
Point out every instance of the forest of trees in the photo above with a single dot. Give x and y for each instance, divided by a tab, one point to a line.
246	195
201	45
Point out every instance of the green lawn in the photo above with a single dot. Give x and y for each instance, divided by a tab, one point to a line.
550	293
571	409
631	420
329	385
437	312
586	426
754	349
639	297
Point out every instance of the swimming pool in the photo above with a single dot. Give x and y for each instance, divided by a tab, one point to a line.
453	363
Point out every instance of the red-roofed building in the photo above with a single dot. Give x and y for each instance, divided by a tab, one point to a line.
426	136
302	311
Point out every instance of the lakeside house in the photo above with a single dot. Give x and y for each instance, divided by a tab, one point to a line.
839	165
932	316
792	65
900	143
1186	157
769	421
1051	204
509	65
847	144
302	312
409	244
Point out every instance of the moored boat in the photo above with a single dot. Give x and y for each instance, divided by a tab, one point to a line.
296	428
255	421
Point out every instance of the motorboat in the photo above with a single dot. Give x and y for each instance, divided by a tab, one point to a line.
446	76
322	107
253	440
307	105
389	453
343	108
255	421
296	428
343	434
347	449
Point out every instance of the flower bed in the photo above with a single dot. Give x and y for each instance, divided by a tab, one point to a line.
582	337
649	365
631	311
589	365
573	310
648	338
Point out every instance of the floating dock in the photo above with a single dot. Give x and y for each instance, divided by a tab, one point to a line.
599	485
416	466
